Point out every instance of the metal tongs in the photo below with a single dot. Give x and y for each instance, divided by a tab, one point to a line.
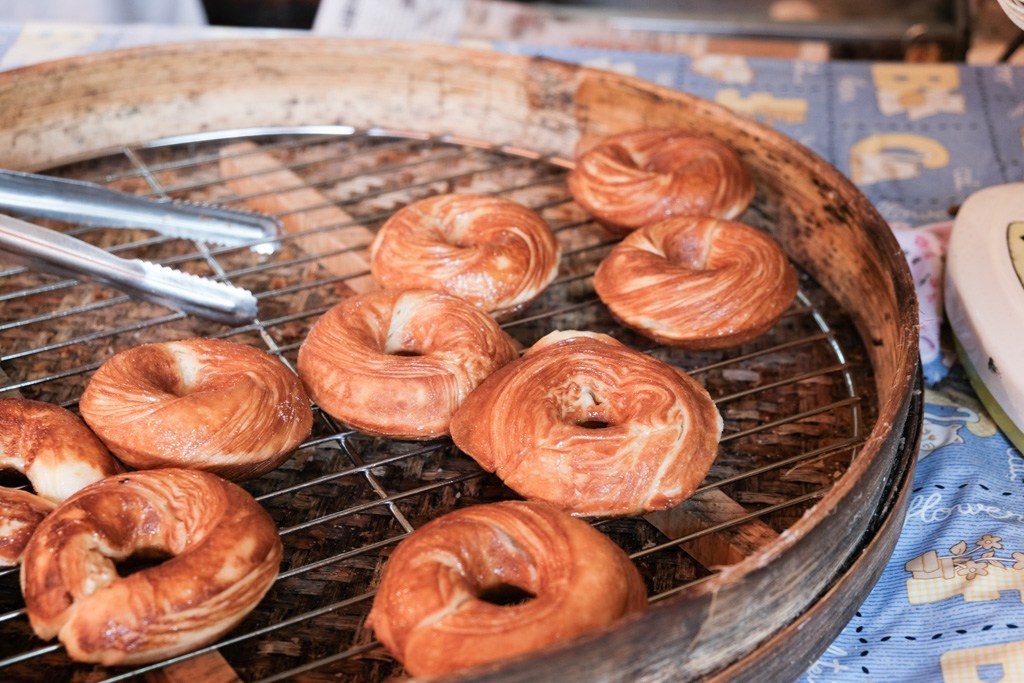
84	203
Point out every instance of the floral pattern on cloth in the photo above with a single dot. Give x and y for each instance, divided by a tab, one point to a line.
925	249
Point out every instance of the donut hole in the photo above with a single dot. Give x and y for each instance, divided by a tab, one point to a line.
593	419
177	390
688	250
399	339
142	558
456	237
669	161
449	229
658	161
397	343
406	350
165	380
626	157
176	374
584	407
15	479
505	595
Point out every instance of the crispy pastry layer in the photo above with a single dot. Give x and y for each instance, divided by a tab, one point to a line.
492	252
52	447
56	452
638	178
697	282
398	364
208	404
224	550
440	608
20	514
591	426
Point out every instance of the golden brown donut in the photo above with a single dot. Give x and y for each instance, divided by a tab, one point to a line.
52	447
447	599
591	426
20	514
398	364
224	554
637	178
492	252
208	404
697	282
58	455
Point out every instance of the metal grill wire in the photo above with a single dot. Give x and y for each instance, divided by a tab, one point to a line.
795	402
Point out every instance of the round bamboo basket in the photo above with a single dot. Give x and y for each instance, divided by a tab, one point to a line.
765	617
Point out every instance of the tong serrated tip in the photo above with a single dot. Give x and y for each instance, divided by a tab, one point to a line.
194	294
54	252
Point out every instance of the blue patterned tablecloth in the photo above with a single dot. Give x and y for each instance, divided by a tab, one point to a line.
917	139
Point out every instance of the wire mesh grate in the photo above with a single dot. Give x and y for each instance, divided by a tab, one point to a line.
796	402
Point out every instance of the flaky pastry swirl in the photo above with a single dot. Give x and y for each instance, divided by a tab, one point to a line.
398	364
208	404
638	178
56	452
697	282
495	253
20	514
439	606
591	426
224	550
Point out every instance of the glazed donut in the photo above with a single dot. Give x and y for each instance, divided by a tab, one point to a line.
591	426
20	514
493	581
492	252
208	404
224	548
58	455
634	179
398	364
697	282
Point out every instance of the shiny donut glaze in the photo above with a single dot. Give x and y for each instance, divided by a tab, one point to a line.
637	178
208	404
398	364
697	282
225	555
591	426
429	610
492	252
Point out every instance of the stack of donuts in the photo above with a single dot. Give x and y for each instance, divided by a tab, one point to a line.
578	424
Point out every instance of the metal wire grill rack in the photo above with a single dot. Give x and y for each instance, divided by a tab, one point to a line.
796	402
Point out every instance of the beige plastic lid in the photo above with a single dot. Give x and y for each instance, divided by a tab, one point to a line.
984	293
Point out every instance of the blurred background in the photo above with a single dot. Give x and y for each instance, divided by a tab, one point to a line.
973	31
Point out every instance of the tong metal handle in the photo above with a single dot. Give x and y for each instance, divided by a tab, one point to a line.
93	205
54	252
